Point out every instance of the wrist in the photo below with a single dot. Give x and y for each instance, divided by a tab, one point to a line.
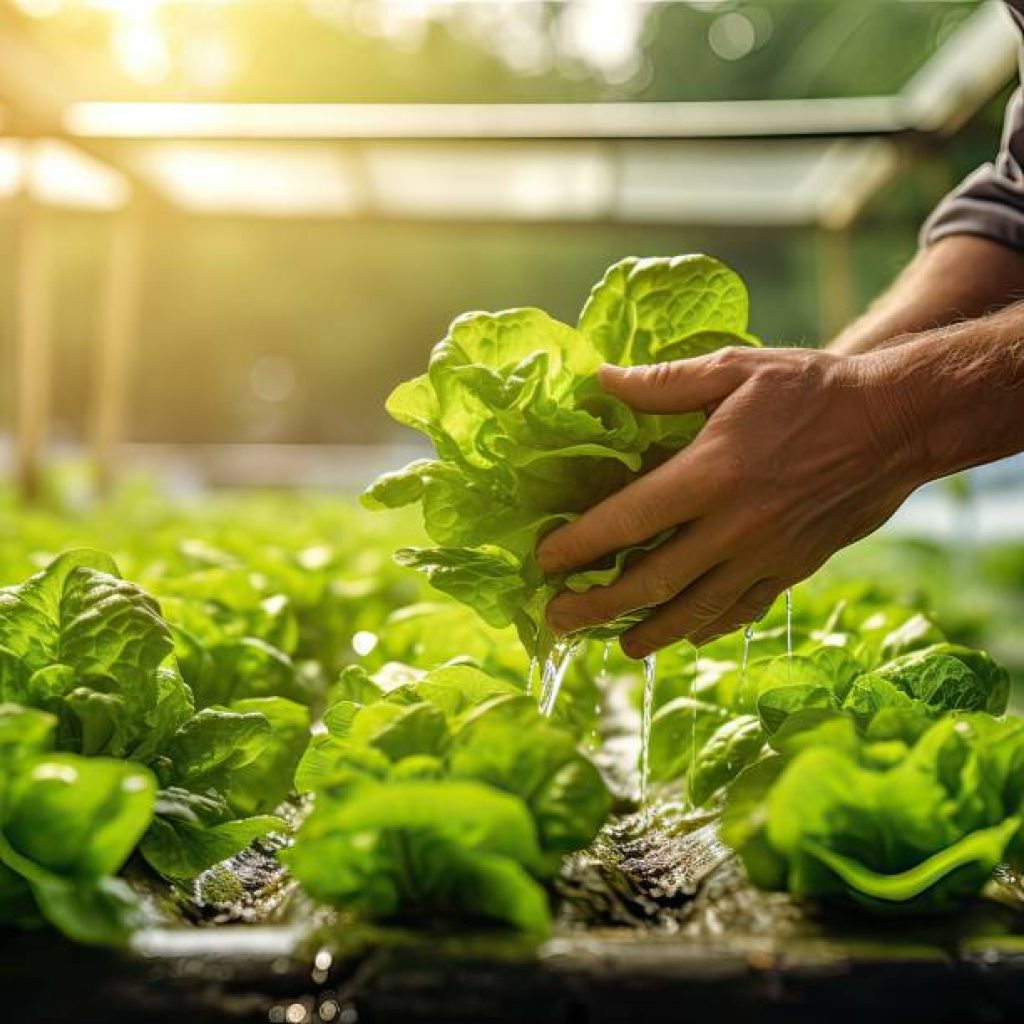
895	404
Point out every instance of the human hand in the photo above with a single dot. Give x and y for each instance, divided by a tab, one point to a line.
804	452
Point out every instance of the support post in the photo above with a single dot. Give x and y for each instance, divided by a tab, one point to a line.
32	344
117	329
836	282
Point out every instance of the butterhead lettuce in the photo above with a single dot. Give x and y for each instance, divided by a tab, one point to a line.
526	439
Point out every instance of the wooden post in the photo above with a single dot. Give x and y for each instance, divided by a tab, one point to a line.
32	342
118	327
836	282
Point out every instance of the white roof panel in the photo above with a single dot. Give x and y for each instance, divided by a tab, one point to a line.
795	183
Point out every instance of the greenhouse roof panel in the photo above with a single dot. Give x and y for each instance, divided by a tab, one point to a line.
958	75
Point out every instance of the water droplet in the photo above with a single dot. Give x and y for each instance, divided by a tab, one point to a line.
748	637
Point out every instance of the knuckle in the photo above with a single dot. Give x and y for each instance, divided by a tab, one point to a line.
659	587
633	521
728	358
662	376
706	607
597	605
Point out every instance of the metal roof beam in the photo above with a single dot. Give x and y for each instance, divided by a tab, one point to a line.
966	71
875	115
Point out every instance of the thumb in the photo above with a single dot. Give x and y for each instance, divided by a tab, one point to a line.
683	385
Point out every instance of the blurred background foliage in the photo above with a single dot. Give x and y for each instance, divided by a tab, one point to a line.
295	330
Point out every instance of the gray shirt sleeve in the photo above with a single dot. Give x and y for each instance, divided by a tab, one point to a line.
990	202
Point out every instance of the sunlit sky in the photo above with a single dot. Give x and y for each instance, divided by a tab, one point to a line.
603	35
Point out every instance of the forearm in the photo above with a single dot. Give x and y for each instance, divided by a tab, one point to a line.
956	279
958	393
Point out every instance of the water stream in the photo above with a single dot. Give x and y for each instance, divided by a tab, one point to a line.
531	675
693	718
789	623
748	636
650	667
555	666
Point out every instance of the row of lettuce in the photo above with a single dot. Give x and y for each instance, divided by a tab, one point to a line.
872	764
269	655
438	793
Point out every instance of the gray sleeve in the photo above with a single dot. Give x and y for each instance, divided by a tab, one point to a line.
990	202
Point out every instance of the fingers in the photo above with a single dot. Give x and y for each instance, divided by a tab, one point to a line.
708	601
685	385
751	607
653	580
665	497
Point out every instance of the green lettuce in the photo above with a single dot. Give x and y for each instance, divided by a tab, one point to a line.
67	826
910	823
461	739
424	849
95	652
526	439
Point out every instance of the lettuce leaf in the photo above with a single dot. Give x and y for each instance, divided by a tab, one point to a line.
526	439
67	825
87	646
424	849
87	659
909	824
457	737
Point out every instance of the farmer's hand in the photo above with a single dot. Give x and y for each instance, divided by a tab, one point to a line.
803	452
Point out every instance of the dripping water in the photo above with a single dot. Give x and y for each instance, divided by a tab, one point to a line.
650	665
748	636
789	623
693	719
531	675
555	667
603	680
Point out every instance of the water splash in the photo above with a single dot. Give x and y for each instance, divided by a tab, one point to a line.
650	667
555	667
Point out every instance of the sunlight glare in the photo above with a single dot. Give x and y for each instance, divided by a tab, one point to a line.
39	8
140	47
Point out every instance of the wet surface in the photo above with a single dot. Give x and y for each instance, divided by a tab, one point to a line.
656	917
252	887
655	920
